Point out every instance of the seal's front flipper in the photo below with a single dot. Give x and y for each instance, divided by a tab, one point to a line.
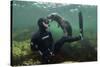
81	24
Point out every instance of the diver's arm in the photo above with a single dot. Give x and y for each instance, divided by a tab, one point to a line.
33	46
51	46
51	38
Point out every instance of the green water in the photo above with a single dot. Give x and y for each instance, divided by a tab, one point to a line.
26	14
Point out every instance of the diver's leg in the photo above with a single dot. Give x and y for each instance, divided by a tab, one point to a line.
64	39
71	39
45	57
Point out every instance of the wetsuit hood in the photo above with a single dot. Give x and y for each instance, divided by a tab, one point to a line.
42	28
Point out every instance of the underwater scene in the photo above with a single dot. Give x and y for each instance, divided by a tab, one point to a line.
24	18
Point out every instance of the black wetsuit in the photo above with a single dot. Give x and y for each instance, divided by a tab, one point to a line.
42	41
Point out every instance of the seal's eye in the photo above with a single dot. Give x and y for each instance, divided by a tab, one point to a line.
52	15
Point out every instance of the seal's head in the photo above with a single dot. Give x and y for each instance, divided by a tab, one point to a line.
52	16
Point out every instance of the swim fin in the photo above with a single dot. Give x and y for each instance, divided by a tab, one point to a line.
81	23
